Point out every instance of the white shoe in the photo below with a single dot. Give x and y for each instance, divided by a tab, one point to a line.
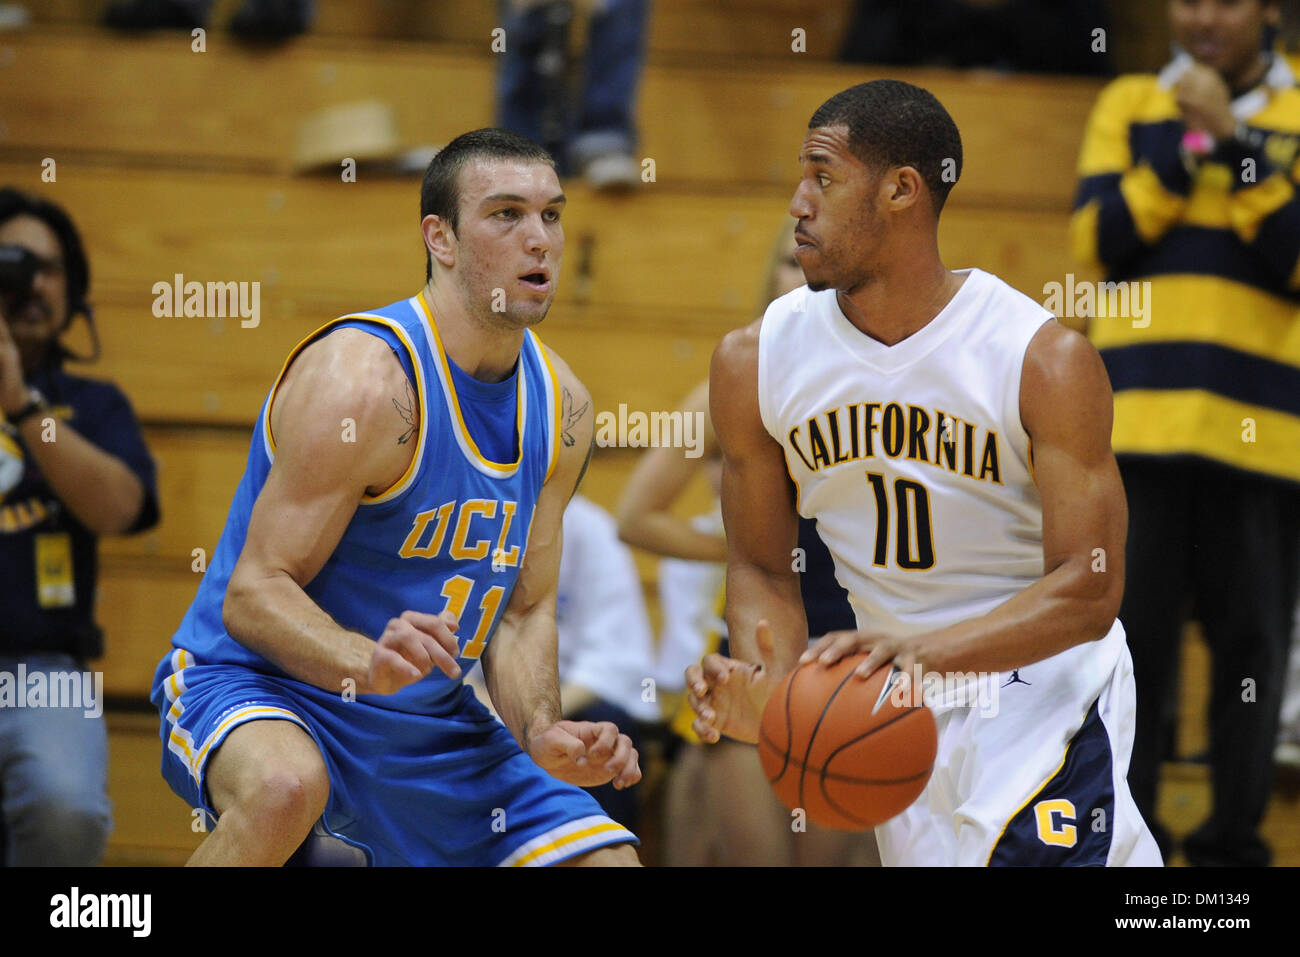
612	171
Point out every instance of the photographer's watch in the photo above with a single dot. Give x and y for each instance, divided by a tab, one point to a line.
35	404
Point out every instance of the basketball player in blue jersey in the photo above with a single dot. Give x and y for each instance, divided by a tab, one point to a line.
398	522
952	441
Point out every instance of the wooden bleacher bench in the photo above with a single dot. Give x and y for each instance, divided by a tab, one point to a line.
729	125
642	301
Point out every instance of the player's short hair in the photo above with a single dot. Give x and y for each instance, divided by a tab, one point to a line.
892	123
440	191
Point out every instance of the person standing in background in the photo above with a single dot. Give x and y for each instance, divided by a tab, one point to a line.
594	133
73	467
1188	197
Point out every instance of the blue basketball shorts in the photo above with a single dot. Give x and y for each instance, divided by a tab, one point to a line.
407	789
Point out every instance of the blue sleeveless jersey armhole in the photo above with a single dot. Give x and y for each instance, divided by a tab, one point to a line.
383	332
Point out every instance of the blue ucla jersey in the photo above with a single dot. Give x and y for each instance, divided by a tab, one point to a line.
451	533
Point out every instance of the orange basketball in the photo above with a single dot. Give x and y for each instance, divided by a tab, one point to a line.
831	744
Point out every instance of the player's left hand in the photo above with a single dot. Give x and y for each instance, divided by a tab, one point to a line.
904	653
1205	103
586	753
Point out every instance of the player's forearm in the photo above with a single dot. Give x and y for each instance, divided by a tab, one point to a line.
522	673
270	614
97	488
755	594
1069	606
666	534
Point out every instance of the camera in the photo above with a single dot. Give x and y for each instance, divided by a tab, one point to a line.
18	269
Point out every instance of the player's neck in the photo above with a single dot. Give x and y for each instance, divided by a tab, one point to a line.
898	302
484	351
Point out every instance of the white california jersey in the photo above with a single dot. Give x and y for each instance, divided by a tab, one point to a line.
912	457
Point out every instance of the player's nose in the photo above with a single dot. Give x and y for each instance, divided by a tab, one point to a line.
537	239
800	207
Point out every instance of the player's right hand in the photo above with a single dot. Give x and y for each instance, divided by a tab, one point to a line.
411	646
728	695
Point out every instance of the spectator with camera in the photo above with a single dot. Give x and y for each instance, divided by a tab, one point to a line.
73	467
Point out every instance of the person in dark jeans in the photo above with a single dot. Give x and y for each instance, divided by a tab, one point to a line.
73	467
594	133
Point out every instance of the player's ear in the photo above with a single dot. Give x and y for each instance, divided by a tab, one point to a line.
902	187
439	239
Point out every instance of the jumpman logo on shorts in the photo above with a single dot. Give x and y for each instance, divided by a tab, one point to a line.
1015	679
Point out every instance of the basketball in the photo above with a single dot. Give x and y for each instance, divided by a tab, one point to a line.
831	744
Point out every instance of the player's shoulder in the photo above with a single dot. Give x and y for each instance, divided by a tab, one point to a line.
1062	370
735	360
343	374
1059	351
363	365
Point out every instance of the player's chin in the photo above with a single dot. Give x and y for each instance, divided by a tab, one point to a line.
523	315
816	279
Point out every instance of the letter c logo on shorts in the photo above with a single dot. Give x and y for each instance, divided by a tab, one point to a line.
1055	822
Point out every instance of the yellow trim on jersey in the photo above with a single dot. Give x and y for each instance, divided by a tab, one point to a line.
400	485
560	842
556	392
1160	422
1037	791
455	400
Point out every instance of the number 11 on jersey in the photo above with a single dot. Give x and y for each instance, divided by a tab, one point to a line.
457	591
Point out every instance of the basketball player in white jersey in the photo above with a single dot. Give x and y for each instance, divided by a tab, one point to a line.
952	441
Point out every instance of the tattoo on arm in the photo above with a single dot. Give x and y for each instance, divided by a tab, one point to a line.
570	417
407	412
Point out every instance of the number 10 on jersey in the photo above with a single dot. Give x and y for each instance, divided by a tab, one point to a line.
914	538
